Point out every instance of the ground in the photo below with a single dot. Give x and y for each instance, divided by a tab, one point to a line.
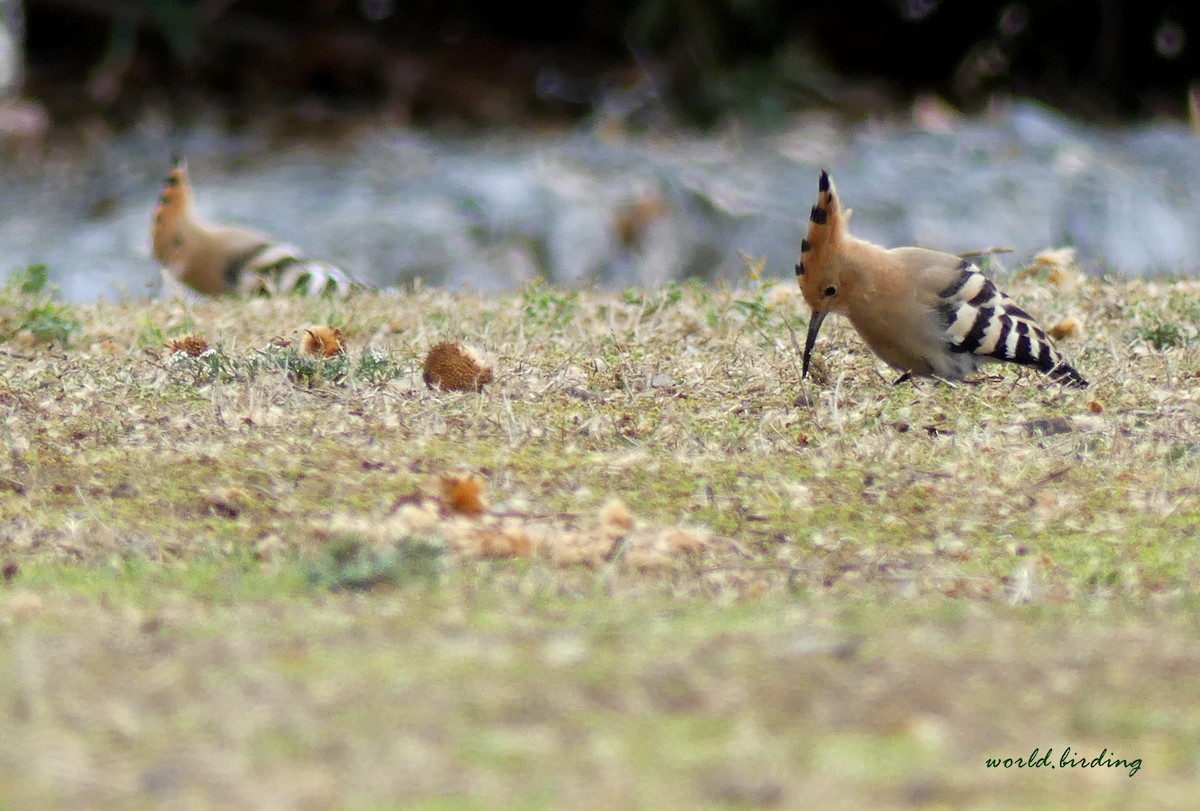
647	566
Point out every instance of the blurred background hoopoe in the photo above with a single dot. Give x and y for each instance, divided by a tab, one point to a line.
216	259
923	312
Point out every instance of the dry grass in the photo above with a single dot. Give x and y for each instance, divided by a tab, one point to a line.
646	566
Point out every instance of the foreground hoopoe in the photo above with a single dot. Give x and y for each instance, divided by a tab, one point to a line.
924	312
215	259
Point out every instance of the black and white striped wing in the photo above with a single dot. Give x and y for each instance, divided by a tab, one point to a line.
982	320
280	269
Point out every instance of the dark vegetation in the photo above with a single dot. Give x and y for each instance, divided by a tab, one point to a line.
642	62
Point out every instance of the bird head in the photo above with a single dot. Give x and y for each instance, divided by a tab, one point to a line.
820	271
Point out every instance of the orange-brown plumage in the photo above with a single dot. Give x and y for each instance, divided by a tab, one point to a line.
923	312
217	259
172	216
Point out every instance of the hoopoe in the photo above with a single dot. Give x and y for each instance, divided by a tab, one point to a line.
923	312
216	259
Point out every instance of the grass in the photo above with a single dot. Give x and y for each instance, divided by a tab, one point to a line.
243	579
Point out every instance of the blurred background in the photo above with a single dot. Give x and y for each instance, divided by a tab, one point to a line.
615	143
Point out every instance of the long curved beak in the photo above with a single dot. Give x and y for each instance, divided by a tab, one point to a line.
814	326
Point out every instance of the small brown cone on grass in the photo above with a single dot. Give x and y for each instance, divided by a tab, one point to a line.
1069	327
453	367
190	345
1061	266
497	542
615	514
463	494
324	342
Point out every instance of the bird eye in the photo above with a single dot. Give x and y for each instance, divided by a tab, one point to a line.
831	291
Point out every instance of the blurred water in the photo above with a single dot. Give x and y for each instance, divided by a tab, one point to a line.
494	211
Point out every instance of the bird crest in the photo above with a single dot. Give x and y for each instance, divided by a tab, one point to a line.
827	228
173	213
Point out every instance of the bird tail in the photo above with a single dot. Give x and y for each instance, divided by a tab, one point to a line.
280	269
1065	373
982	320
